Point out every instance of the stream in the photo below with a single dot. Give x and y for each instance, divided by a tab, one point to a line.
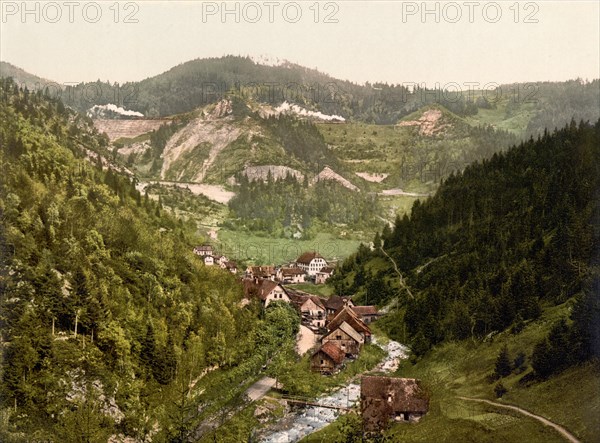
301	423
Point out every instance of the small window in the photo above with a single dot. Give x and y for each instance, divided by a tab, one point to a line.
322	362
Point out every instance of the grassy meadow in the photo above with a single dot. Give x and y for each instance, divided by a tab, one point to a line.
464	369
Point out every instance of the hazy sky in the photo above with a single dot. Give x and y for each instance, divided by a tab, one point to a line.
392	41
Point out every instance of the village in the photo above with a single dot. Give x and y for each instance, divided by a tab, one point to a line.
339	330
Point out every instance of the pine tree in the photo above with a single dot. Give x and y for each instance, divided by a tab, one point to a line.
503	367
148	351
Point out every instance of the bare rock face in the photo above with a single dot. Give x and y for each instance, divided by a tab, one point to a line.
200	130
116	129
429	123
222	109
329	174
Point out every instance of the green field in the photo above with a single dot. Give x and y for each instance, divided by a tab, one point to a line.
502	117
322	290
254	249
463	369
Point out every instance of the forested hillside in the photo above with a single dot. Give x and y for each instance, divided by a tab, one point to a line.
108	320
495	245
203	81
288	208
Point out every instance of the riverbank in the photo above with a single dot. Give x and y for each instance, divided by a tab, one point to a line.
305	421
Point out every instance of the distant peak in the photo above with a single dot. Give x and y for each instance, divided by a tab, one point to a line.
268	60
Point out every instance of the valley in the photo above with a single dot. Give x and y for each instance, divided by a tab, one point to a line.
239	266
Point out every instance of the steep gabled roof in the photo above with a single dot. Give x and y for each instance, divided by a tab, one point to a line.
332	351
298	298
261	288
347	315
336	302
263	271
292	271
307	257
203	248
348	330
317	301
266	287
365	310
400	394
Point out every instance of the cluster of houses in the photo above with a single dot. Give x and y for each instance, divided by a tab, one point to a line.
310	266
342	326
211	258
346	331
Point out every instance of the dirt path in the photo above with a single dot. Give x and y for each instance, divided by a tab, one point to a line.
570	437
401	278
260	388
305	340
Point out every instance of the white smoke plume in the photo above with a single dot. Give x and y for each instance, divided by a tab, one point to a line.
100	110
287	107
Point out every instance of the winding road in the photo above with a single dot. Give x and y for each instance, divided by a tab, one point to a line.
570	437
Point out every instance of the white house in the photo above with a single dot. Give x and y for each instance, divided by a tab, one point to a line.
203	250
311	262
290	275
209	260
265	290
221	260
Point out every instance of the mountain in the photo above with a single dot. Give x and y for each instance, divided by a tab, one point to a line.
495	245
522	108
31	81
217	142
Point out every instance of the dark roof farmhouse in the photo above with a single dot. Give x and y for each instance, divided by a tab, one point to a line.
383	399
327	358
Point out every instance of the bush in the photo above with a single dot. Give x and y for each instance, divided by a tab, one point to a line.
500	390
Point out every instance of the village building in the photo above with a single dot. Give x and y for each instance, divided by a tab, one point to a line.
334	303
291	275
265	290
209	260
310	306
231	266
346	314
220	260
323	275
327	359
386	399
267	272
203	250
345	338
311	263
367	314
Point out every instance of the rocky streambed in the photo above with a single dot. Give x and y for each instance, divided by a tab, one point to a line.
313	418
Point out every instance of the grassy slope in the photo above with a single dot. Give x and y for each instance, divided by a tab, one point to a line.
383	148
515	121
571	399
